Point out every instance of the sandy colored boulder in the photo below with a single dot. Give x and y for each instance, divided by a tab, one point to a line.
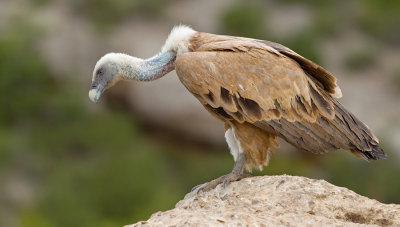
277	201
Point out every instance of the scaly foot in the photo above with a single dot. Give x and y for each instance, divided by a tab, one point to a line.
224	180
235	175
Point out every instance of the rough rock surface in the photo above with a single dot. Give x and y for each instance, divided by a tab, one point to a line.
277	201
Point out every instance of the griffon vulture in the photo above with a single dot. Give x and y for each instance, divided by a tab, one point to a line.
261	90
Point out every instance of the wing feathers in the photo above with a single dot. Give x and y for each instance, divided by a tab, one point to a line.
250	108
344	131
326	79
324	105
256	88
226	97
274	88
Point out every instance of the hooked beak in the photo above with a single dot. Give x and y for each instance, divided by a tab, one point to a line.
95	92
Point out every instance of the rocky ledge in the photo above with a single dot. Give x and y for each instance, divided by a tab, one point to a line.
277	201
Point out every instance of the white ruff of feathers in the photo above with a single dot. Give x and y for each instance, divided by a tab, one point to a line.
178	39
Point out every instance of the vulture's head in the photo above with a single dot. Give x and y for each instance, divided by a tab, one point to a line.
110	69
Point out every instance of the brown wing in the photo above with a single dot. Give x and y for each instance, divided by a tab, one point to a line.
211	42
246	80
321	76
252	82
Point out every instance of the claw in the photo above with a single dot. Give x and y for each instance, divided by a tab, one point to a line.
224	180
200	190
235	175
195	187
224	183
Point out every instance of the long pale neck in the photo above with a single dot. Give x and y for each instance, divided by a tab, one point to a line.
148	69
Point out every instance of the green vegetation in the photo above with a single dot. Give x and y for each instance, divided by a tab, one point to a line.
83	174
13	48
306	44
326	20
244	19
380	19
396	80
104	13
248	19
361	58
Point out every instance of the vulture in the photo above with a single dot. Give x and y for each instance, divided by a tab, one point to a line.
261	90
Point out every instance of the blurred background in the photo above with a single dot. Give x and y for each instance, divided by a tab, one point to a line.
65	161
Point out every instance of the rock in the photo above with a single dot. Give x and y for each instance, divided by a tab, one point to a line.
276	201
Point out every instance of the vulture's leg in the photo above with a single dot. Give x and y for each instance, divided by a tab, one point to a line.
235	175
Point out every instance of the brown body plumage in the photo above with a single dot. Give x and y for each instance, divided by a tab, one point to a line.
263	85
260	90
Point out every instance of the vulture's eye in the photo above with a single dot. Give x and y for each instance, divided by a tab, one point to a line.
100	73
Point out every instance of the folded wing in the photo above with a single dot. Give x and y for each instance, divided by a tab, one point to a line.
274	88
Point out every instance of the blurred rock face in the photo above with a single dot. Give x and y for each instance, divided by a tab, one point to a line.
167	105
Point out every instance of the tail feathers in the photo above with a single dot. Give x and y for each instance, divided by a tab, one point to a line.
361	140
344	131
375	154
